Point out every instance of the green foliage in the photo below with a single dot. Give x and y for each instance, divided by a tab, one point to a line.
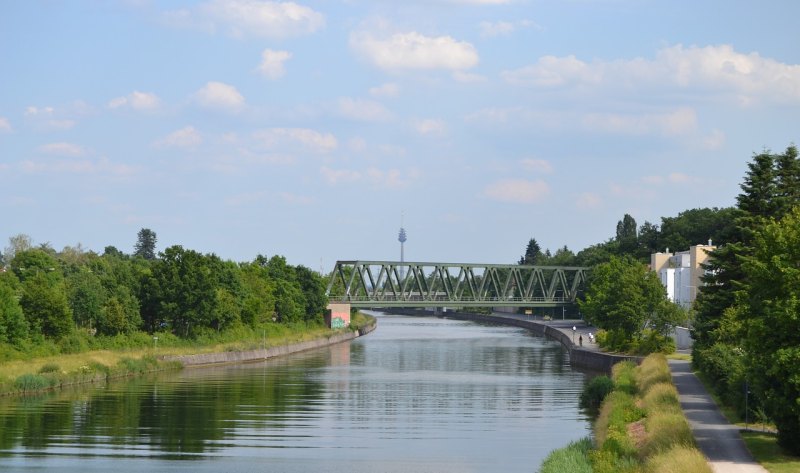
625	298
624	376
31	383
570	459
145	246
45	306
662	397
666	430
651	371
680	459
596	391
49	368
533	252
13	326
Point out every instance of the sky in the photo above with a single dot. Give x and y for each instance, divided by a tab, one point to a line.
313	129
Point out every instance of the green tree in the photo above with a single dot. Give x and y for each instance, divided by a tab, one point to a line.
119	313
313	289
787	184
46	307
13	326
626	235
533	252
773	323
145	246
624	298
86	297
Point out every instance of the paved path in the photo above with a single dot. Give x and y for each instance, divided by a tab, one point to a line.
717	438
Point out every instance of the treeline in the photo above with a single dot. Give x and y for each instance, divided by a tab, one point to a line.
690	227
50	295
746	318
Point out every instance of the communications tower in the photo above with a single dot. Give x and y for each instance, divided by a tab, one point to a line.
401	237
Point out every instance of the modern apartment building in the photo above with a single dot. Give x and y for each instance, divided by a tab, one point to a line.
680	272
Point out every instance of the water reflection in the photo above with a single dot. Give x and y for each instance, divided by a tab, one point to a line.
419	394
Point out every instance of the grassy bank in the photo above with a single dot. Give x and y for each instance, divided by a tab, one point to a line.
141	353
640	427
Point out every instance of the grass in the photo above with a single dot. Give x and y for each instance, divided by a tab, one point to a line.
680	356
571	459
678	460
45	372
765	449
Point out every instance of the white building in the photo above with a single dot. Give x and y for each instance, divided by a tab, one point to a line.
680	272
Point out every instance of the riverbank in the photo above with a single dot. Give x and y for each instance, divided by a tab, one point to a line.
25	377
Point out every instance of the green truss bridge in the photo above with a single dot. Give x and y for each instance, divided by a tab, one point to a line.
380	284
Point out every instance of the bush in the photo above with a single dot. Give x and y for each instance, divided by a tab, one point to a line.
678	460
624	376
597	390
571	459
49	368
653	342
73	343
666	430
31	383
662	397
653	370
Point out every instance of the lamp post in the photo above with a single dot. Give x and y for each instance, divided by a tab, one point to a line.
574	328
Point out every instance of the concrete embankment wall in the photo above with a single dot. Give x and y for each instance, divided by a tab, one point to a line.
264	353
578	357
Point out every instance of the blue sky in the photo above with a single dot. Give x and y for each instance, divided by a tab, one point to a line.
308	128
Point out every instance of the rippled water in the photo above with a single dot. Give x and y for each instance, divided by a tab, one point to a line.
416	395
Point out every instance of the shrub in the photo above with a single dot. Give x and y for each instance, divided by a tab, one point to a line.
666	430
662	397
653	342
678	460
571	459
624	376
653	370
73	343
597	390
49	368
31	382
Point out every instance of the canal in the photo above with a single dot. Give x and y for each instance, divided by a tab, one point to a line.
416	395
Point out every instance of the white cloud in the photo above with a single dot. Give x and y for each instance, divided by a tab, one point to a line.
537	165
363	110
186	137
715	140
5	125
136	100
48	119
295	199
272	63
413	50
497	28
385	90
309	139
62	149
468	77
588	201
679	122
430	126
248	18
710	70
519	191
101	166
339	176
220	96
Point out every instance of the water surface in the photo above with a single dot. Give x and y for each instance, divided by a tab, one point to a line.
416	395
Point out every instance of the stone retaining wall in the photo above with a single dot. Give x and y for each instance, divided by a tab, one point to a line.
578	357
263	354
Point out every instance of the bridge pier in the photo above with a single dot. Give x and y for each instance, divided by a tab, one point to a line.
337	315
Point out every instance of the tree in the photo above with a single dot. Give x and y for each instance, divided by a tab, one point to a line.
145	244
16	244
772	339
313	291
533	253
626	235
45	306
625	298
787	185
13	326
86	297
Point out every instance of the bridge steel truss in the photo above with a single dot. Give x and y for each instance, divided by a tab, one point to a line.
379	284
